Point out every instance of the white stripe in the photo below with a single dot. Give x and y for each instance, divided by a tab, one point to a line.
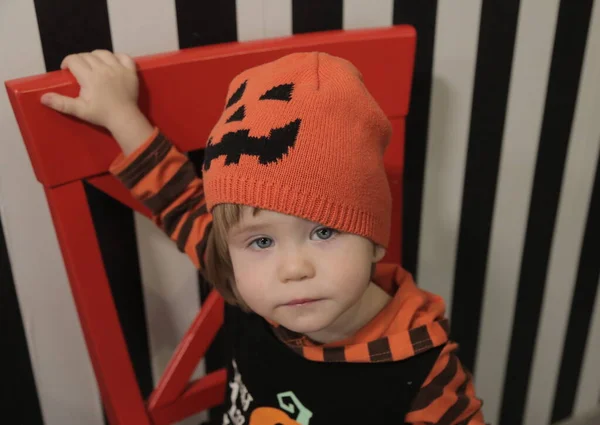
171	297
258	19
143	27
451	96
63	374
277	18
576	192
367	13
525	108
589	380
249	17
169	279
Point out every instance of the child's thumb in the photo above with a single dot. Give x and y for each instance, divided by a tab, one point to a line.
64	104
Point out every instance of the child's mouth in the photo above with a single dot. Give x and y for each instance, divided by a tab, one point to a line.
301	302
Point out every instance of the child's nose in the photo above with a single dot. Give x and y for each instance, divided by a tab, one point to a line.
295	266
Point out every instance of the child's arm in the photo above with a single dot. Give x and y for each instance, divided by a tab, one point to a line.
157	174
447	395
164	180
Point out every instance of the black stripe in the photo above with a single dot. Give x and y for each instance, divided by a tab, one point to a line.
445	326
173	217
184	233
145	163
379	350
200	23
71	26
196	157
490	93
201	247
334	354
420	14
582	308
567	58
20	398
316	15
172	189
458	407
420	339
468	419
115	231
435	388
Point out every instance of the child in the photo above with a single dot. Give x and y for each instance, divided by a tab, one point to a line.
288	222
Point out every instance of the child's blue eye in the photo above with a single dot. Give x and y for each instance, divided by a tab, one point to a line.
325	233
262	243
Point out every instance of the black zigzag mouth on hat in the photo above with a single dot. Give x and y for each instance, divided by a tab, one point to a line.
268	149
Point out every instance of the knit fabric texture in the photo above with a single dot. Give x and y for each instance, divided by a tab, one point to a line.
303	136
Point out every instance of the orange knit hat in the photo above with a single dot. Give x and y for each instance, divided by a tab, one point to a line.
302	136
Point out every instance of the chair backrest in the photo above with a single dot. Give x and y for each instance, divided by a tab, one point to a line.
182	92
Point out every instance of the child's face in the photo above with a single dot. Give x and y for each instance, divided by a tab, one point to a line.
304	276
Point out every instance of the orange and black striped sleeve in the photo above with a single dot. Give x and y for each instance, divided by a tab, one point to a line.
447	396
165	181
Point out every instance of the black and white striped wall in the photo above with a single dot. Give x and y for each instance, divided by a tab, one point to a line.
502	195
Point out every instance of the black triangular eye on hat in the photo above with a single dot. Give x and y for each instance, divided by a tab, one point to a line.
238	115
281	92
237	95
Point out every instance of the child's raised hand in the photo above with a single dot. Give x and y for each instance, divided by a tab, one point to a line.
109	87
108	96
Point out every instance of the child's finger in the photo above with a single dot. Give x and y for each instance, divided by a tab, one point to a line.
78	67
126	61
66	60
64	104
92	60
74	59
106	56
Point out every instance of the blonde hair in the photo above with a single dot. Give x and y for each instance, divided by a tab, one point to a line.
219	268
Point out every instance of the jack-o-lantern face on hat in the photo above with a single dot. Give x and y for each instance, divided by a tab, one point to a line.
267	149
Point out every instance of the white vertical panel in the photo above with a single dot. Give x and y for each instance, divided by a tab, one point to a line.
277	18
367	13
142	27
66	386
576	192
171	299
591	417
170	291
169	279
258	19
525	108
249	17
589	380
454	58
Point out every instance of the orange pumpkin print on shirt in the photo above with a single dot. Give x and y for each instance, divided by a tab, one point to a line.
288	402
270	416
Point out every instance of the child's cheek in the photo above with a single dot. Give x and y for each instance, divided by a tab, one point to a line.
252	290
252	275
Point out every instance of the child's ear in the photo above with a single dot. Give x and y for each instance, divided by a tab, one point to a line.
378	254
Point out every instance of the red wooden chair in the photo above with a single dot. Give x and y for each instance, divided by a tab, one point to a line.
183	93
